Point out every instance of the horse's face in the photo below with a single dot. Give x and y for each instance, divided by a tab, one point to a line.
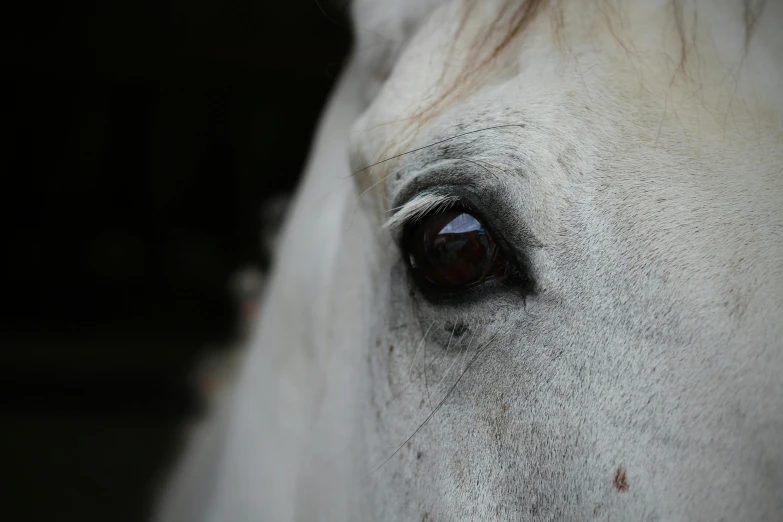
575	308
615	347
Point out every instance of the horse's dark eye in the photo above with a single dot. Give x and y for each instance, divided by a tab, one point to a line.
453	250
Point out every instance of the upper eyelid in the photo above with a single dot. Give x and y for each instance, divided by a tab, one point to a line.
427	193
429	190
470	188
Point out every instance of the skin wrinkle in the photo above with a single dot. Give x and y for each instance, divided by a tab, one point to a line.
638	376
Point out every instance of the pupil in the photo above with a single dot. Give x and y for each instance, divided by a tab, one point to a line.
452	249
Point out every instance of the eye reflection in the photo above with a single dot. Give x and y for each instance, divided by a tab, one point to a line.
453	250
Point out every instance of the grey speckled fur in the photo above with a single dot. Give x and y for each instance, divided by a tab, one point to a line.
640	377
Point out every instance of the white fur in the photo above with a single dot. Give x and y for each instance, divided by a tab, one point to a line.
644	193
421	205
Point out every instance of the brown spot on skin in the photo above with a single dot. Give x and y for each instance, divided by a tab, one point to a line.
410	444
391	348
505	407
595	510
620	481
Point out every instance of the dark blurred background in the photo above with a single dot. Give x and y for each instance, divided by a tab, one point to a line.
142	139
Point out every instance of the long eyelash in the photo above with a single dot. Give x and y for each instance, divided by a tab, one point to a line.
418	207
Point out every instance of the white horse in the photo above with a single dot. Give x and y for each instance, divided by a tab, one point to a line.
534	272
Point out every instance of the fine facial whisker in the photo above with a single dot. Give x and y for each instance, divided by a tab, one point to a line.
419	375
437	408
521	125
465	354
478	164
423	340
426	385
448	370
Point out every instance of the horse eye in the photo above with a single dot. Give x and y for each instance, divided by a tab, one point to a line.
453	250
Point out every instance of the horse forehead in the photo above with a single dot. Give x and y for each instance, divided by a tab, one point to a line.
646	66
